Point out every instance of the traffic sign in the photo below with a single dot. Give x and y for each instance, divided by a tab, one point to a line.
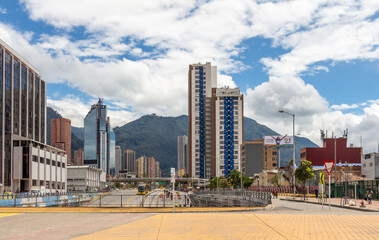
322	180
329	166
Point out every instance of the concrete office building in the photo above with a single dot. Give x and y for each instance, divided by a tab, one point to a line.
256	157
148	167
23	149
78	157
85	178
99	139
118	157
215	124
182	153
61	135
38	164
129	160
227	120
370	165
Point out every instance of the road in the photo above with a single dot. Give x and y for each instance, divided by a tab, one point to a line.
130	198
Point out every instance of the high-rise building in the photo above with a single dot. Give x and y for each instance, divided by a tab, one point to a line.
215	124
111	157
148	167
61	135
182	153
201	79
227	122
129	160
25	159
98	138
118	163
79	157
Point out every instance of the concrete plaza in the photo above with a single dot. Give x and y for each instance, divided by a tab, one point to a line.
284	220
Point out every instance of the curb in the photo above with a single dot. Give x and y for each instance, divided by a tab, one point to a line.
333	205
129	210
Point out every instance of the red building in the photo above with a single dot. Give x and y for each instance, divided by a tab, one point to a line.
61	135
79	157
327	153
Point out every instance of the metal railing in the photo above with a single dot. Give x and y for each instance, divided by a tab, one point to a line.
135	200
230	199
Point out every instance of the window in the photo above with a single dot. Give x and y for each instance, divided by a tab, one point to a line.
371	164
35	159
221	137
364	165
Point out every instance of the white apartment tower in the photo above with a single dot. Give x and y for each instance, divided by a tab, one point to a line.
228	122
201	79
205	159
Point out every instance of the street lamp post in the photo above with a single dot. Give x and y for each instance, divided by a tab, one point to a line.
293	152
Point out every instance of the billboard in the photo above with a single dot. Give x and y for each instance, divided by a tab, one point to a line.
278	140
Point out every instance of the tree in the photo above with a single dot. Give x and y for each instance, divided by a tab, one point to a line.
276	180
304	173
234	179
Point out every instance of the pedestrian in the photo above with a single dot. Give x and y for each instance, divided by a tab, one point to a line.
316	192
369	195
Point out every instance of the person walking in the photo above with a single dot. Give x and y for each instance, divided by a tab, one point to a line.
369	195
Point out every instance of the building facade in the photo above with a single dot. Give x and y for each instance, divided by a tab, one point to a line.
85	178
227	120
335	150
118	157
256	157
22	112
61	135
78	157
215	124
38	164
148	167
98	138
201	79
370	165
183	153
129	160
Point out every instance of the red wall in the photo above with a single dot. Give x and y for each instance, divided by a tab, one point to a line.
344	154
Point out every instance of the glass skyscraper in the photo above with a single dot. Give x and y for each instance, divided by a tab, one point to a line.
99	139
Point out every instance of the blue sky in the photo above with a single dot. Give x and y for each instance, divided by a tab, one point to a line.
317	59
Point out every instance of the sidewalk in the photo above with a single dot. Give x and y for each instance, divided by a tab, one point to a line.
338	202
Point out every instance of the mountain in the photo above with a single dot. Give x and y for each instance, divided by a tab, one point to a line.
76	142
153	136
156	136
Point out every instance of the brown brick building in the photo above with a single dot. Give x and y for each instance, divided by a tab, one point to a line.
61	135
79	157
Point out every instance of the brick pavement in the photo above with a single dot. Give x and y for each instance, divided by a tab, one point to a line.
337	202
245	226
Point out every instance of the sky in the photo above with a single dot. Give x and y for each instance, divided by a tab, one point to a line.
316	59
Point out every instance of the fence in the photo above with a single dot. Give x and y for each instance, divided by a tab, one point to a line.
230	199
45	200
347	189
135	200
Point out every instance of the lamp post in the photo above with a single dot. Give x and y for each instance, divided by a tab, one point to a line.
293	154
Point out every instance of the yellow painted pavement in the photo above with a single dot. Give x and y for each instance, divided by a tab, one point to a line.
245	226
7	214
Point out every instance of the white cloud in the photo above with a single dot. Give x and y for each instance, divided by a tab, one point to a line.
344	106
3	10
136	53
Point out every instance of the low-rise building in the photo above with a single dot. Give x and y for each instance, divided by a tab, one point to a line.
38	165
370	165
85	178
